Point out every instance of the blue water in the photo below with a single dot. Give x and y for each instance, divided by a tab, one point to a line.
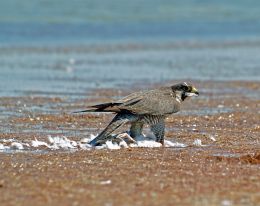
69	47
54	22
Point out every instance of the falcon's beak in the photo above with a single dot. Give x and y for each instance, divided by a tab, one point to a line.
193	92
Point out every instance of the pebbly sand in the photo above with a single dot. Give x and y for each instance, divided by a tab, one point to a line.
219	164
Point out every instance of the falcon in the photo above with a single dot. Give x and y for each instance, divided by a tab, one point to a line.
144	107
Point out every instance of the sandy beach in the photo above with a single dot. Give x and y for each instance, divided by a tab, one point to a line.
219	166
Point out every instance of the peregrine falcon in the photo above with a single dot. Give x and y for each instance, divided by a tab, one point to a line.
144	107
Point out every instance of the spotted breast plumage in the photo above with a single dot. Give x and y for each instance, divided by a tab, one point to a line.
144	107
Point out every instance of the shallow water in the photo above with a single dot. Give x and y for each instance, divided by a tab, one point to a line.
61	72
104	44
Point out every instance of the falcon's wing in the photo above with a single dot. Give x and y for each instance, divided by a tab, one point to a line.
154	102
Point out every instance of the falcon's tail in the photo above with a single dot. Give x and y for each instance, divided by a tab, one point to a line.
106	107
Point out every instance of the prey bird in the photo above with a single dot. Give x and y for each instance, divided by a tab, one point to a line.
144	107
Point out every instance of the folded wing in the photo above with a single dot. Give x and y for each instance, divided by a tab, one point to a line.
153	102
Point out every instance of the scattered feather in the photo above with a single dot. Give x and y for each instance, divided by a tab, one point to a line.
197	142
17	146
123	140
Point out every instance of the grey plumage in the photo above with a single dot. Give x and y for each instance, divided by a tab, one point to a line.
145	107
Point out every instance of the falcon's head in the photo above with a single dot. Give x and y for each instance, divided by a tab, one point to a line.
184	90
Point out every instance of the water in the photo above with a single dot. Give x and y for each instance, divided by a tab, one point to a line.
66	49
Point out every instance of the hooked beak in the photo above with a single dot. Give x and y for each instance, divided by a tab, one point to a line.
193	92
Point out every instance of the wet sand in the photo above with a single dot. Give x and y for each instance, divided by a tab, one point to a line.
222	172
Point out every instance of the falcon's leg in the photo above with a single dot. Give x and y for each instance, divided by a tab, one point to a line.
119	120
158	130
136	129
